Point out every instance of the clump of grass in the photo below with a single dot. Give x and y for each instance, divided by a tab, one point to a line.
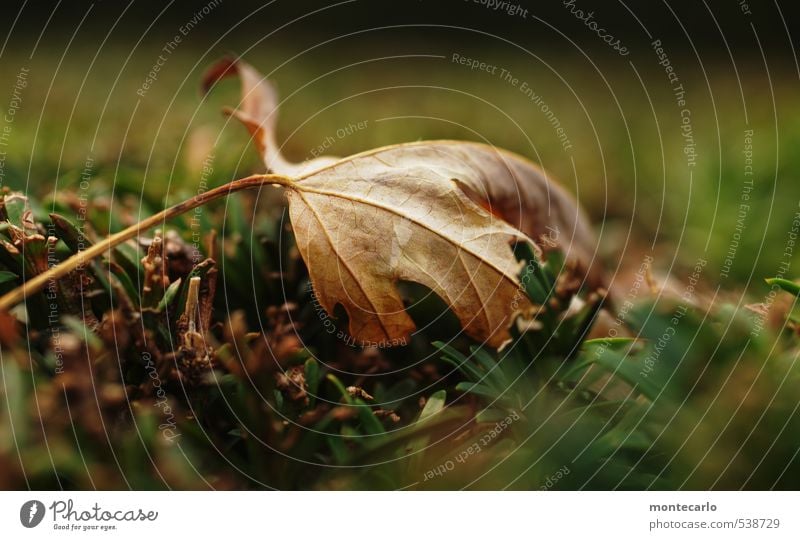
158	365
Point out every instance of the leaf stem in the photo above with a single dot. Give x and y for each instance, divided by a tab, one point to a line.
60	270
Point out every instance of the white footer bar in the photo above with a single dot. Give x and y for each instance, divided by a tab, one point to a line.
401	515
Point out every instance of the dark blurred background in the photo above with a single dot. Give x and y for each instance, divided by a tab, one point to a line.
681	20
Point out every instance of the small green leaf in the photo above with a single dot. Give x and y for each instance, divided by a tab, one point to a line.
201	270
788	286
553	266
620	366
434	405
6	276
477	389
369	422
169	295
130	258
610	342
124	280
487	362
588	316
458	360
72	236
14	208
340	387
311	372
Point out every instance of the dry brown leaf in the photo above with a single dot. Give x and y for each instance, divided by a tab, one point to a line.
403	213
397	213
507	185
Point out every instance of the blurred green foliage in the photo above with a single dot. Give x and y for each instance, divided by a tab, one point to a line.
626	163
